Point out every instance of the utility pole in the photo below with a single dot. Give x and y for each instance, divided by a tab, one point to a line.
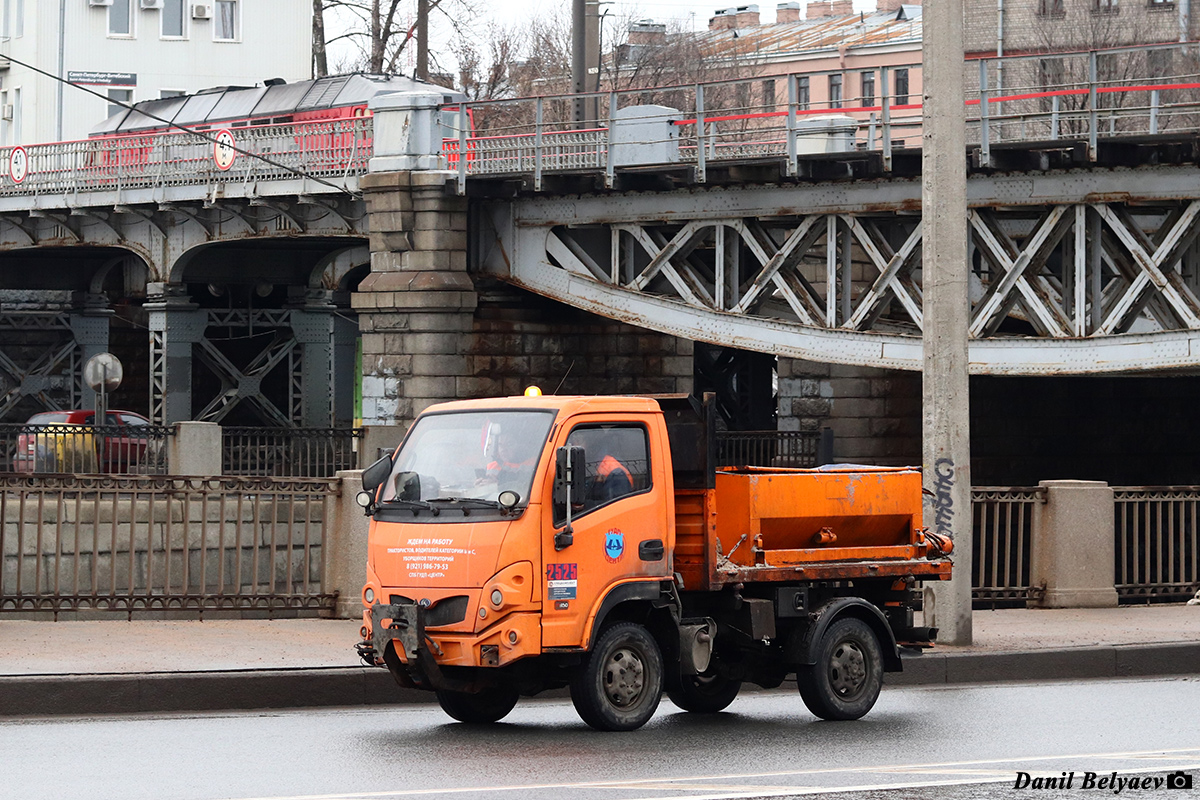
423	40
585	57
946	310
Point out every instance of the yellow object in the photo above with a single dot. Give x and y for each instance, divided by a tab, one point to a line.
533	391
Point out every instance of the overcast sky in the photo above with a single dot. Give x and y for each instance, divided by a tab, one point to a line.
689	14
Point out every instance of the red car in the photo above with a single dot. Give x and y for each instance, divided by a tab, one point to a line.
65	442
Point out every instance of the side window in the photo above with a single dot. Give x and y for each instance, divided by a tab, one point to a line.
130	419
618	464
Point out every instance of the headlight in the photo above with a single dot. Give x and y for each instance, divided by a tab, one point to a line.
369	595
497	597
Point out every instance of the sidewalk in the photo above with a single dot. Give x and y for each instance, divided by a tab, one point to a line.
118	666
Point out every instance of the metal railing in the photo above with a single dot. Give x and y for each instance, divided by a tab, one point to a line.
129	544
1002	529
289	452
332	149
774	448
84	449
1082	97
1156	542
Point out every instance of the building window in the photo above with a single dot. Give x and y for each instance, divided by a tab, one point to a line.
120	18
121	95
164	94
172	18
868	89
1052	8
20	22
1163	4
1106	6
901	88
835	91
802	95
1050	79
768	96
225	26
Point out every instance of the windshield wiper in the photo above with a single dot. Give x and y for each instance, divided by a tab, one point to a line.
415	505
467	503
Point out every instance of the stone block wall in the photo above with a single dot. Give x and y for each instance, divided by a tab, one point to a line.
431	332
875	414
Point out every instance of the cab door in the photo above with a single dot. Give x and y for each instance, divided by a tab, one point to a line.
619	525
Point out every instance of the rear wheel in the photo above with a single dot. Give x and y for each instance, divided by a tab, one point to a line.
844	682
490	705
619	684
704	694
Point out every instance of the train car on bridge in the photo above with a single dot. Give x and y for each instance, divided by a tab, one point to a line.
322	116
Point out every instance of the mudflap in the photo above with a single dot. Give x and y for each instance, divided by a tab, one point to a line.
407	626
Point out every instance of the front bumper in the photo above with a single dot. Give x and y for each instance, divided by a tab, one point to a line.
511	638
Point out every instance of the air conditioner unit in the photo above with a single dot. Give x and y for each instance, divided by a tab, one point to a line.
152	4
201	11
7	112
4	63
100	2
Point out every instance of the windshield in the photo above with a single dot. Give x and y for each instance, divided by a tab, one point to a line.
469	455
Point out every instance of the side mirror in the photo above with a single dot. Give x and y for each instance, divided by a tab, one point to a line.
569	473
372	478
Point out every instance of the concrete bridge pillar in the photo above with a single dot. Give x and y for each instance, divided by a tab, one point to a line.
416	308
176	324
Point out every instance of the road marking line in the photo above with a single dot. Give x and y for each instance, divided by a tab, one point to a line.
1166	754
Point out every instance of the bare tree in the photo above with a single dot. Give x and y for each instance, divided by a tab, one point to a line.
382	31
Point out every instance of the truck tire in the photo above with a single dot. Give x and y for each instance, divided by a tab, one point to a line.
844	682
490	705
619	683
704	694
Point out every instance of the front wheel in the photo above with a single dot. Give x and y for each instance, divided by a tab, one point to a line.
704	694
619	683
848	674
490	705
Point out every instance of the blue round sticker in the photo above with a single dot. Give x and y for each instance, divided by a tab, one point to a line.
614	545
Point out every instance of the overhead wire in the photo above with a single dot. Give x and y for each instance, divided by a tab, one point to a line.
191	131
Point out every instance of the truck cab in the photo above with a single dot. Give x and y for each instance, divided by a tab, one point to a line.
526	543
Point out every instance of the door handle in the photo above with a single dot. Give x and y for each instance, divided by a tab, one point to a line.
651	550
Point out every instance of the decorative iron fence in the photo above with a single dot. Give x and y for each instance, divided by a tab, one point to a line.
774	448
289	452
131	544
1156	542
1002	530
84	449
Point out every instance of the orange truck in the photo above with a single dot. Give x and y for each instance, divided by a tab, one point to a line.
538	542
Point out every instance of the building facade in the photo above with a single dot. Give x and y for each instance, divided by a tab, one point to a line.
134	50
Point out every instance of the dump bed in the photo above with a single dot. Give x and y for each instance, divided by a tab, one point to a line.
830	523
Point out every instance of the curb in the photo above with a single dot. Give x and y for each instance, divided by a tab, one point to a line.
164	692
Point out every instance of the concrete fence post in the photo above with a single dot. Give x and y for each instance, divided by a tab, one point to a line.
377	441
408	133
1072	556
345	547
195	449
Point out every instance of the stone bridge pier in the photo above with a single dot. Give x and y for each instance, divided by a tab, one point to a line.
433	331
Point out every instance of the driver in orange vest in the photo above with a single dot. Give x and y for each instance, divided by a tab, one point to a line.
612	480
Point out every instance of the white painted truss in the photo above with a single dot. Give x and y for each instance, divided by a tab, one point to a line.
1060	288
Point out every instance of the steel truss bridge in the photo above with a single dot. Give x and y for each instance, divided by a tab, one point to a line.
759	231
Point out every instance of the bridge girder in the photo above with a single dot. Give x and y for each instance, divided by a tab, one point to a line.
1087	272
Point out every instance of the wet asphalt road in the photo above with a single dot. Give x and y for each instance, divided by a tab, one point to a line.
974	738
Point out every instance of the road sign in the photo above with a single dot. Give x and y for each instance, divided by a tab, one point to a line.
103	372
18	164
223	152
